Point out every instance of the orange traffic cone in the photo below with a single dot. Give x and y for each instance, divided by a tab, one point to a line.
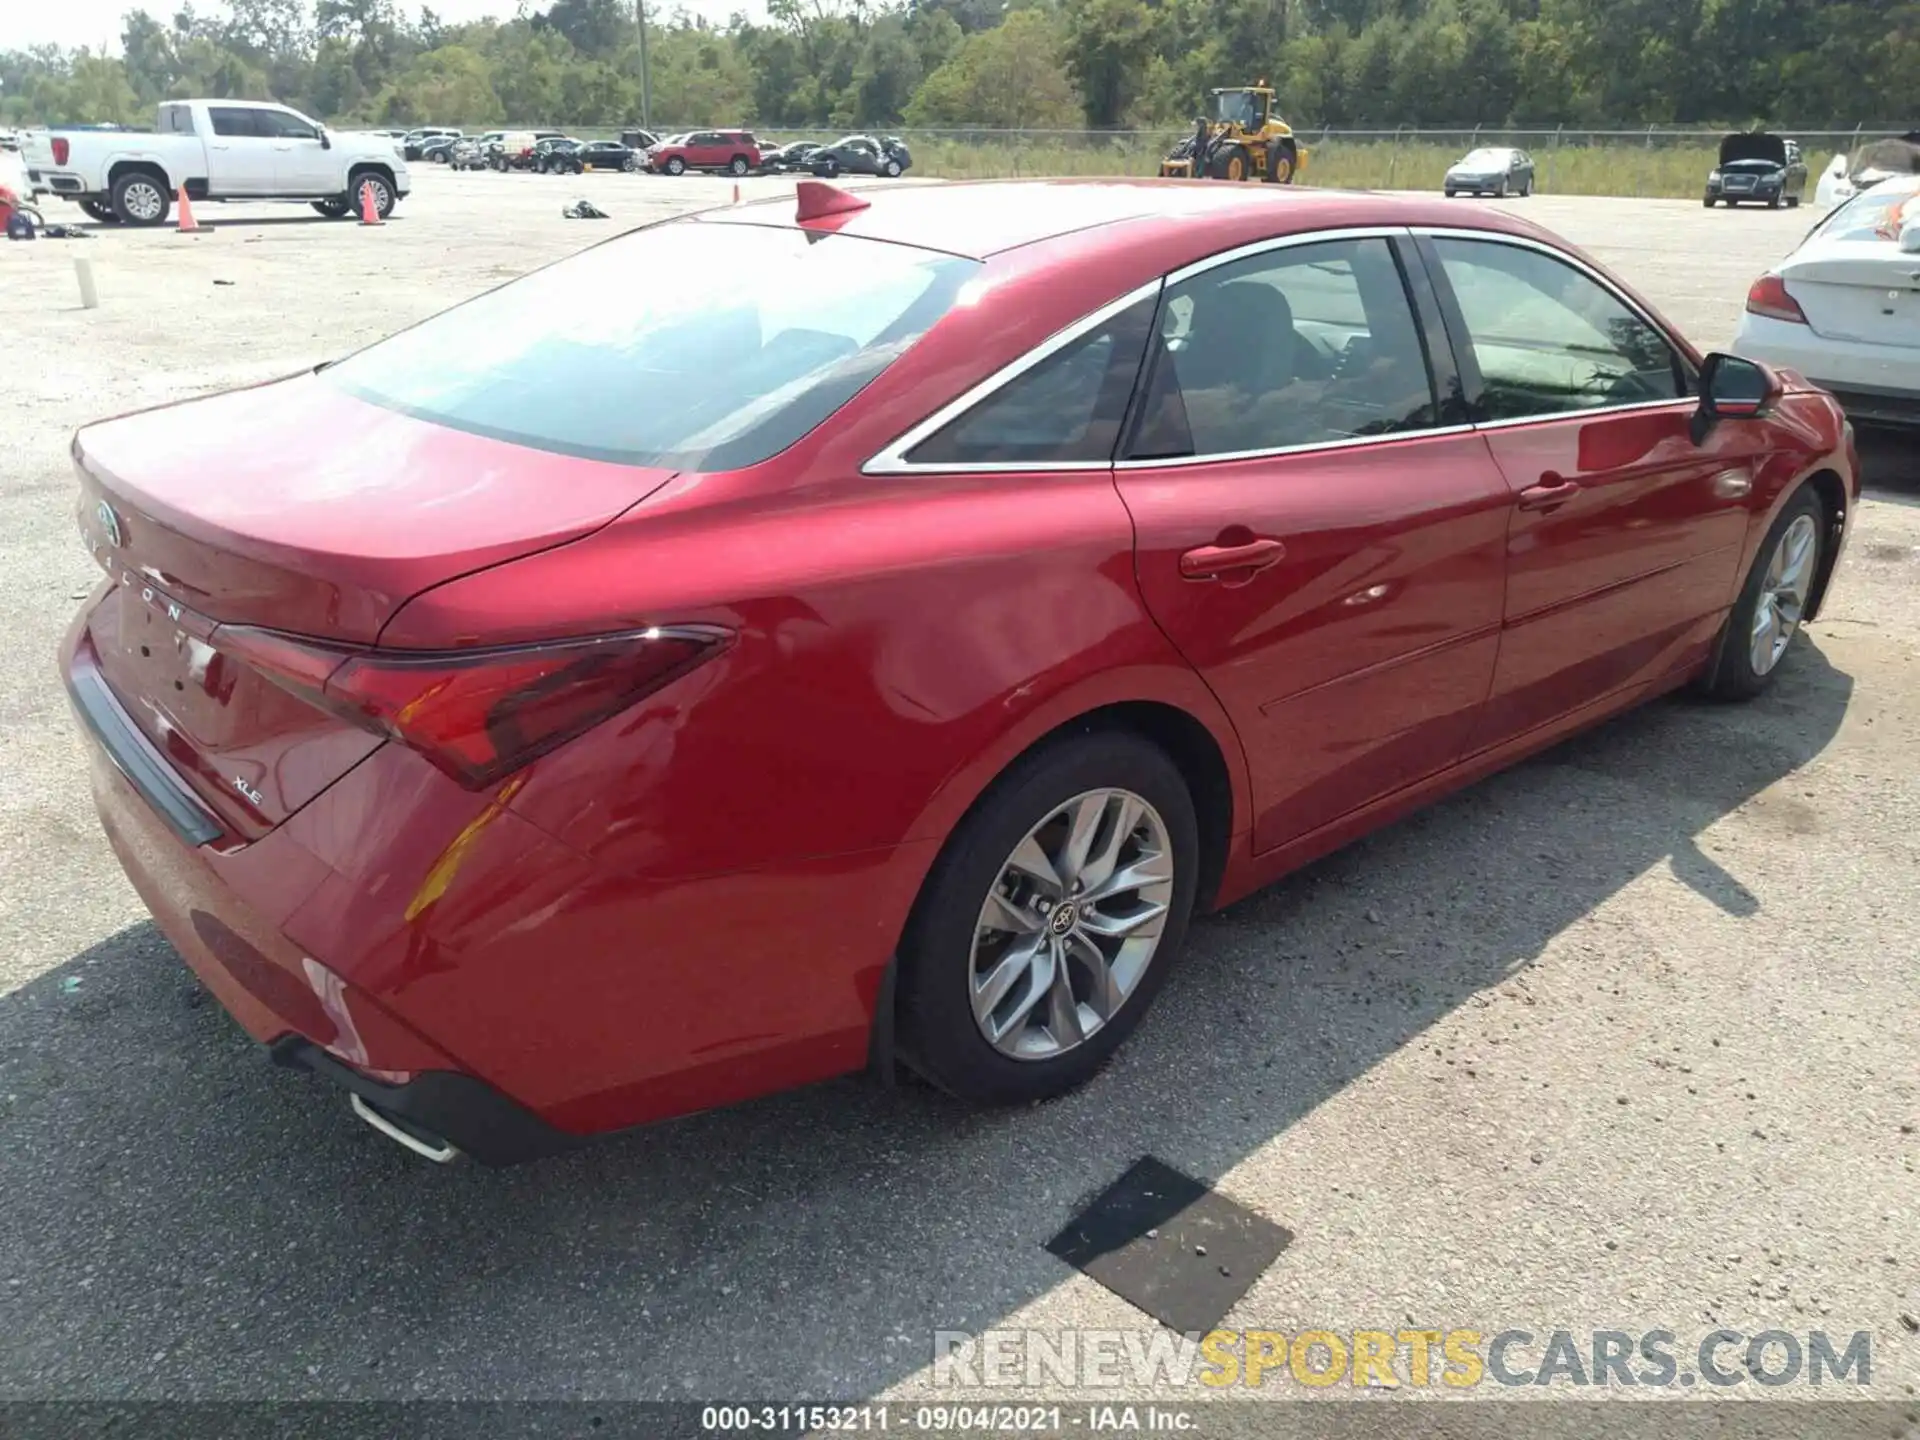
187	222
369	212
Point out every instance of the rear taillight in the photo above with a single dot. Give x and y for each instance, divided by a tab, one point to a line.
61	149
479	714
1768	296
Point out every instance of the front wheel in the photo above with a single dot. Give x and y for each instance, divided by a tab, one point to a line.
1772	603
1050	920
630	164
893	169
383	196
737	166
676	166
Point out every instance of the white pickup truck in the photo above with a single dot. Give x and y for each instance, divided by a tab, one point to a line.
218	150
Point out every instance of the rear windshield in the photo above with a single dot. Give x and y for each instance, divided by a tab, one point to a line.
1876	214
688	346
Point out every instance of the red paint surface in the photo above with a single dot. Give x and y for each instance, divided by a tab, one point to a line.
693	902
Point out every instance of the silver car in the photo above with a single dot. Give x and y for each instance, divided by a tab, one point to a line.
1491	170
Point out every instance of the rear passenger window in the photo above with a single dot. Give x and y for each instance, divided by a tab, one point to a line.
1548	339
231	120
1305	345
1066	409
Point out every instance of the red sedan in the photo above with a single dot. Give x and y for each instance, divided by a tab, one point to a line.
602	702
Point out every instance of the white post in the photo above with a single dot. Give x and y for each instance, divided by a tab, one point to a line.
89	297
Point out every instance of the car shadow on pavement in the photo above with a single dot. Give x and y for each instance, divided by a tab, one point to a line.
179	1218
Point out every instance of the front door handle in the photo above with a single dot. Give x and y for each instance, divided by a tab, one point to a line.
1550	492
1210	562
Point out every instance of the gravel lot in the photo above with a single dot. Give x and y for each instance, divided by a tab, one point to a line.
1623	1038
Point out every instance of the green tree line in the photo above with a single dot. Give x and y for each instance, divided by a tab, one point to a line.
1014	64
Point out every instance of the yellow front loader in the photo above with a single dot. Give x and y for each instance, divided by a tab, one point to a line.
1242	140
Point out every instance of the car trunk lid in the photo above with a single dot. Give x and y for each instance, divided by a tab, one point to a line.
293	507
1864	291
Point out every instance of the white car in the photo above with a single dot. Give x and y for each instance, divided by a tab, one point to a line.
1844	308
215	150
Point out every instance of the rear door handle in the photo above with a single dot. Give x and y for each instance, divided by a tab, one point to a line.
1551	491
1210	562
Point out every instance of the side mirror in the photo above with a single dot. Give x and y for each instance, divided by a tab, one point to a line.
326	141
1732	389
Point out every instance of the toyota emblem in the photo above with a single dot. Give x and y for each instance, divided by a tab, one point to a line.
109	522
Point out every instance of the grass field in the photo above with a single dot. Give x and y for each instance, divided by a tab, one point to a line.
1676	172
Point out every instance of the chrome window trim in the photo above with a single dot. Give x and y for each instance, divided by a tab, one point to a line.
1226	457
893	461
1547	417
1288	242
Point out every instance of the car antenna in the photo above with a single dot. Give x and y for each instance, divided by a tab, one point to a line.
817	200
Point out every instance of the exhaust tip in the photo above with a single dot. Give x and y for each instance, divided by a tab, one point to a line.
432	1147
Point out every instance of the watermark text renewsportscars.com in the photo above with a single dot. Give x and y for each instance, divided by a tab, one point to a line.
1458	1359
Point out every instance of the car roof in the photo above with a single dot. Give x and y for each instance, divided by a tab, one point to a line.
979	219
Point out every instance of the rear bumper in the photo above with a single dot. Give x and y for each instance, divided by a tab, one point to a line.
466	1113
307	1017
1873	383
1868	406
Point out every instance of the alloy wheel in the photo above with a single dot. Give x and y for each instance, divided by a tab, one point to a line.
144	200
1783	594
1071	924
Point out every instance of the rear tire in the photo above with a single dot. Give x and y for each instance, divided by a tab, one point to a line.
1759	630
948	956
139	199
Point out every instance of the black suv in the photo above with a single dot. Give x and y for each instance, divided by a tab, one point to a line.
1757	167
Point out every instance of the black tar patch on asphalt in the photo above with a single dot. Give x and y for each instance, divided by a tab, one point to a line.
1173	1247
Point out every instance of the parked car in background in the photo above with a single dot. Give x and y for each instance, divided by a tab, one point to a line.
516	149
1866	167
412	145
552	153
1500	170
1844	308
1155	539
216	150
789	157
860	155
1759	168
734	151
604	155
439	148
472	152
